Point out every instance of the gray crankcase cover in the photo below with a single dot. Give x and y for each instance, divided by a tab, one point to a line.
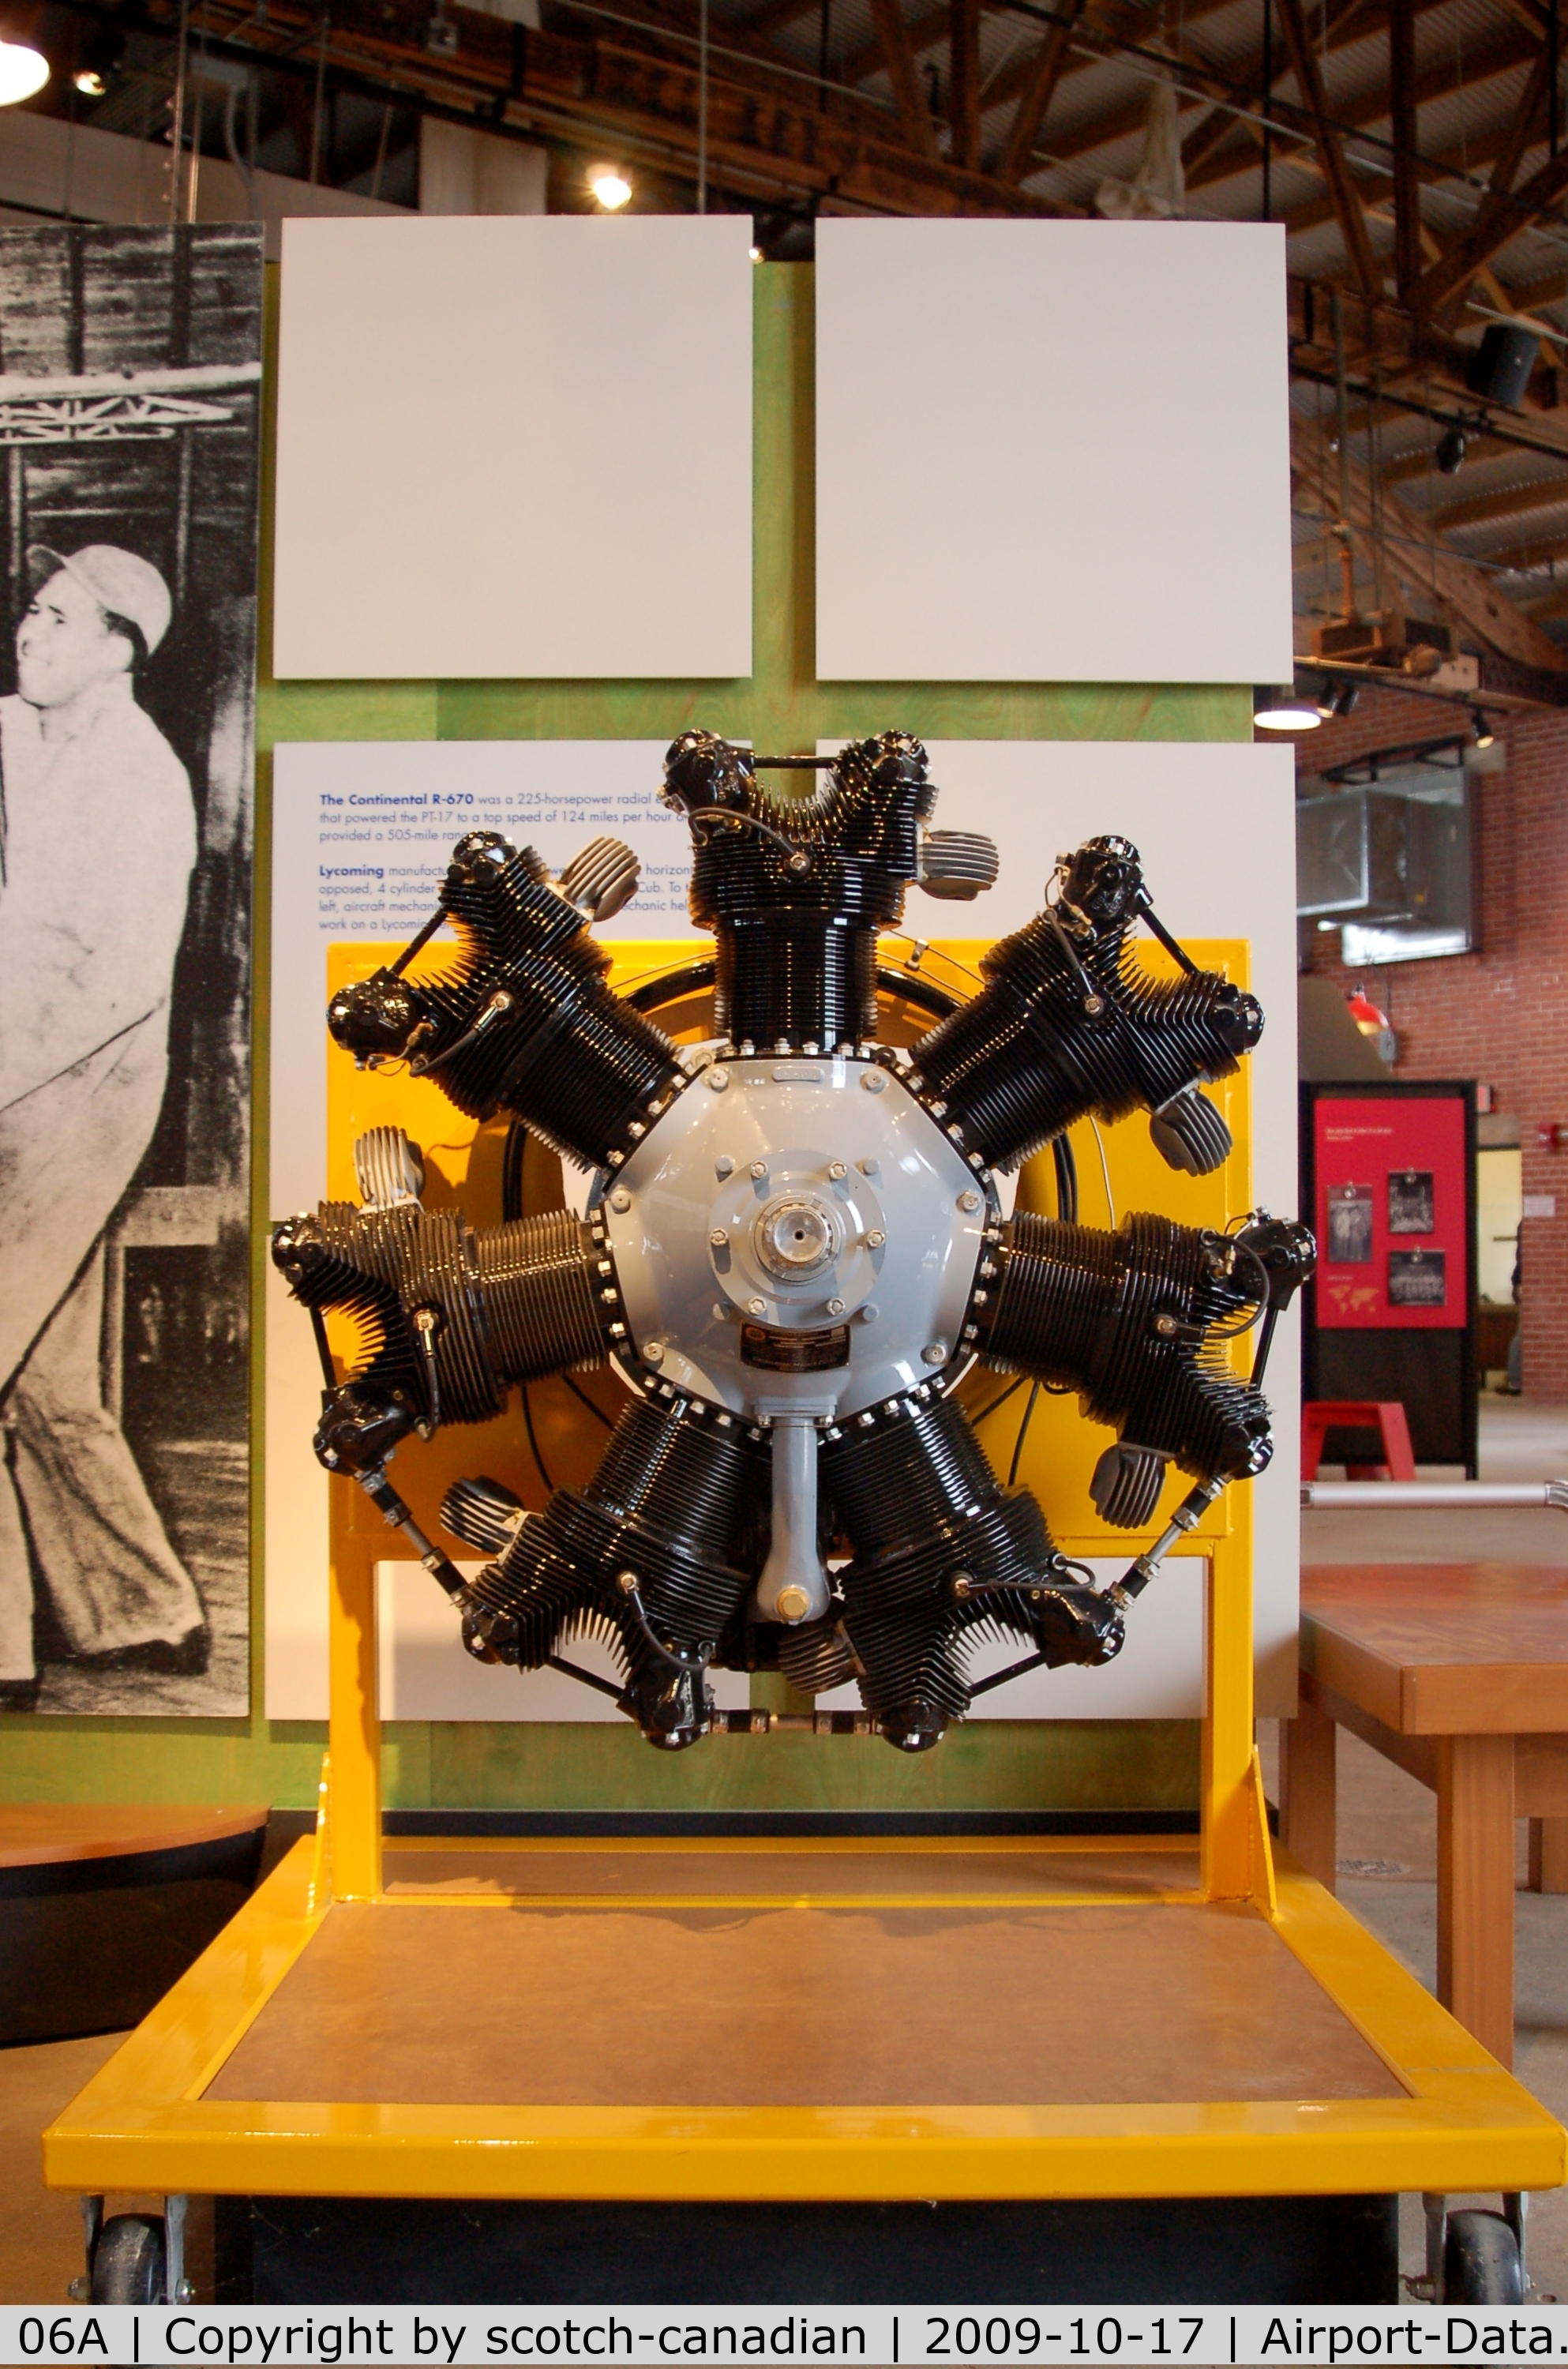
785	1205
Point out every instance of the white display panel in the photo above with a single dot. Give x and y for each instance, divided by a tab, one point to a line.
1036	799
362	832
425	1674
1184	804
493	461
1069	461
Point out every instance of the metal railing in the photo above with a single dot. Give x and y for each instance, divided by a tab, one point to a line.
1388	1496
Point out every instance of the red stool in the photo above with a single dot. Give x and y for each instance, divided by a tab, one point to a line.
1385	1417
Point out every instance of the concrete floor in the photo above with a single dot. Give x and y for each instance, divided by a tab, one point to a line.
40	2232
1387	1853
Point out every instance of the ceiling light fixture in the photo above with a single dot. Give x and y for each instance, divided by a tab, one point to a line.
96	62
1284	709
23	71
1451	448
1483	736
610	187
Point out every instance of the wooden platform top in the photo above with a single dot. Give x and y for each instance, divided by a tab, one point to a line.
1442	1649
423	2003
41	1833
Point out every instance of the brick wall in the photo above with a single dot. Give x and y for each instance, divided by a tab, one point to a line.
1499	1015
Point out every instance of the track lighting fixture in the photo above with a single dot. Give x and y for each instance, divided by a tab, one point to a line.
1452	446
610	187
1277	708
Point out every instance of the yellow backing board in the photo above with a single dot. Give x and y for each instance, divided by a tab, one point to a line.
464	1167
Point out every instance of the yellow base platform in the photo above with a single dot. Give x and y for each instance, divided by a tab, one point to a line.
976	2018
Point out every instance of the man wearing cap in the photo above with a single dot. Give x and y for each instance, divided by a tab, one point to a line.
97	838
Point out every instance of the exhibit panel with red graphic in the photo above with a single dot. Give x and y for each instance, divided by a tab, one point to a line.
1388	1178
1392	1215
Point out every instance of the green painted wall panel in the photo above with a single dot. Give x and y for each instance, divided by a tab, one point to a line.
991	1764
784	707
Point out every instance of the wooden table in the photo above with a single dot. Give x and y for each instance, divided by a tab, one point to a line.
49	1834
1459	1673
104	1904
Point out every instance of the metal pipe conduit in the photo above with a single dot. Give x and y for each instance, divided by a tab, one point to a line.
1367	1496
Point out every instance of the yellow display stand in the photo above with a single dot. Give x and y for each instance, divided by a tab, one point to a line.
420	2019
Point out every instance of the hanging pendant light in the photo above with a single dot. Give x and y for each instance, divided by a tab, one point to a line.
24	69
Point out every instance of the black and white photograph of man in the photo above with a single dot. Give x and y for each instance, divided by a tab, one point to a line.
100	842
125	816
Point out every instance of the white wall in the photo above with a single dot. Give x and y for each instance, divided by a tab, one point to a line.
1052	451
467	172
48	168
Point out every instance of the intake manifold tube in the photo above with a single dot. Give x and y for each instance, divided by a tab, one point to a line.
794	1585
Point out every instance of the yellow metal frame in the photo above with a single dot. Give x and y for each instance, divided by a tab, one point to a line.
145	2122
1062	1447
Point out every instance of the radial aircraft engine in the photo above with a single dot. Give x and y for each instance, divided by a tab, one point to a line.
793	1243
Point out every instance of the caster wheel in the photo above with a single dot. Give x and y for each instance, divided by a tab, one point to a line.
128	2260
1480	2260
